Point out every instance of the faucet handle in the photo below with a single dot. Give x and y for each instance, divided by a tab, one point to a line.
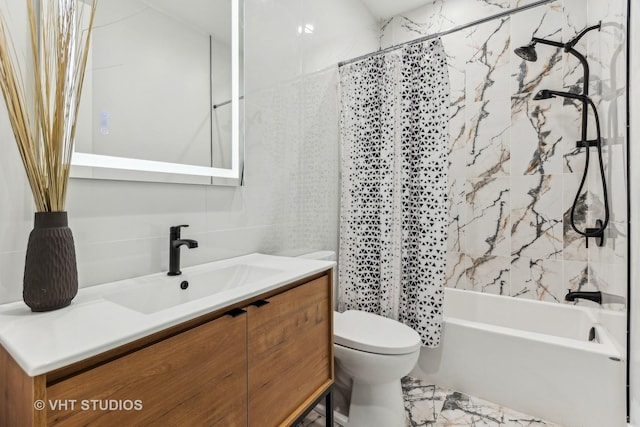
175	230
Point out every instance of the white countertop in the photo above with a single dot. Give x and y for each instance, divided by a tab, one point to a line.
92	324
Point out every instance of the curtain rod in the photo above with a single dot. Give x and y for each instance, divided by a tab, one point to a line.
222	104
446	32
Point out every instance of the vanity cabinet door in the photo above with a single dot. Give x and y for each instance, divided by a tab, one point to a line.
290	352
197	377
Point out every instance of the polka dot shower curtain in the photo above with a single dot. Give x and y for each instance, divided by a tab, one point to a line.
394	136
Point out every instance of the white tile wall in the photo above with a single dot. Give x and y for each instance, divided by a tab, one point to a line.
121	228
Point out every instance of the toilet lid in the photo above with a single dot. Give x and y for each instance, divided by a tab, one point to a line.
372	333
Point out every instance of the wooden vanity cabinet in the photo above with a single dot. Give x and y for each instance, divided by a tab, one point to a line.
262	362
290	352
198	375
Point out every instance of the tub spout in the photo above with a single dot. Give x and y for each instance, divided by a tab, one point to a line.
599	297
591	296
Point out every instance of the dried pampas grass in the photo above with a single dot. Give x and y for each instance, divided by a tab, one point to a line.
43	119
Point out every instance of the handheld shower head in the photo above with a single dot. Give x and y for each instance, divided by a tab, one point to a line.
528	52
543	94
548	94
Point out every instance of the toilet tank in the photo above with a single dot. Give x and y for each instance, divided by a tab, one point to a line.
321	255
326	256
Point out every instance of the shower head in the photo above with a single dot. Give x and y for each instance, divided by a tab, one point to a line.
543	94
528	52
548	94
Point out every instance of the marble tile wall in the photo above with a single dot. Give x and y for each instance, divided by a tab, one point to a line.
514	166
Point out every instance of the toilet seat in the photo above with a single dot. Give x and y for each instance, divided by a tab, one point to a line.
369	332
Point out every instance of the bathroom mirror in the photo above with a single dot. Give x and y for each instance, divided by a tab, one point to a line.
161	98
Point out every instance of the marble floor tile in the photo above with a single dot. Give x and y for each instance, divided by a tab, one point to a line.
460	409
429	405
423	402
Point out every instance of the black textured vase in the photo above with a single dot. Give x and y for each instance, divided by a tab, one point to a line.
50	271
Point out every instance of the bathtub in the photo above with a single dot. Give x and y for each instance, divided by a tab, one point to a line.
531	356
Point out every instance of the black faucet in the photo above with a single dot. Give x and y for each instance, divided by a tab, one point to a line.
174	249
591	296
595	296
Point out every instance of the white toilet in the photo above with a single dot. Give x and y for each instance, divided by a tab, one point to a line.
372	354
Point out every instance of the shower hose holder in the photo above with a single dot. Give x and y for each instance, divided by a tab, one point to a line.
588	143
597	233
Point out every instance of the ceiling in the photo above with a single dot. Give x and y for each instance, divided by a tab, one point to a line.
212	16
384	9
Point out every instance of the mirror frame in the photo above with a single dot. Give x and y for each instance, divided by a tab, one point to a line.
96	166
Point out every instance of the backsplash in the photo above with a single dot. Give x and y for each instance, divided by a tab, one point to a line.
514	168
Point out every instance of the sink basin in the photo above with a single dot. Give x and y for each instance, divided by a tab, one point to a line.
160	293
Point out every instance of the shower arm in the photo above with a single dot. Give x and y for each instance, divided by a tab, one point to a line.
568	47
571	43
